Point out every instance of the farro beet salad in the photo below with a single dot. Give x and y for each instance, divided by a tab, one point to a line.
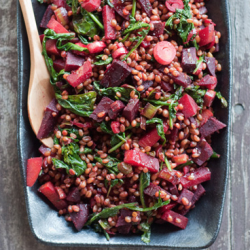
132	118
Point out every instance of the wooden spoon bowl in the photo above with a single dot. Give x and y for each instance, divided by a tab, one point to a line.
40	90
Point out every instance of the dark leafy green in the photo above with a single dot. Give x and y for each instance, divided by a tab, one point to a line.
112	183
145	227
110	4
184	164
215	156
71	159
78	104
111	165
184	27
83	39
111	92
103	62
40	1
144	182
199	62
222	99
159	127
167	163
105	226
75	4
69	46
116	142
95	18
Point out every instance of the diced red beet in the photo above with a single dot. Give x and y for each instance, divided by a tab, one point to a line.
115	126
173	190
208	82
152	189
164	208
43	149
46	17
56	26
182	79
158	150
175	219
202	10
62	16
186	169
187	195
121	219
210	45
58	64
206	35
116	74
80	218
146	7
166	86
131	110
60	193
200	175
151	137
108	14
103	106
80	75
124	229
74	195
118	7
146	85
34	166
195	121
169	176
52	106
59	3
73	62
211	126
190	107
189	59
47	126
96	47
174	134
49	191
180	159
90	5
139	159
158	28
41	38
211	65
145	44
51	47
80	53
82	125
119	52
198	193
205	150
209	97
206	114
115	108
172	5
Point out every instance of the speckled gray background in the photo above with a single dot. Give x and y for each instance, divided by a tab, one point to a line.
15	233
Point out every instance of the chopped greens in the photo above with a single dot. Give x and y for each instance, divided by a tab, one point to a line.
144	182
103	62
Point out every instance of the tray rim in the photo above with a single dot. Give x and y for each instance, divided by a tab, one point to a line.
19	146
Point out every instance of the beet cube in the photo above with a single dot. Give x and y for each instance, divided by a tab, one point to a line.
139	159
205	152
121	219
208	82
175	219
174	134
49	191
34	166
187	195
90	5
131	110
169	176
146	7
206	114
58	64
118	7
189	59
47	126
173	190
96	47
152	189
190	107
115	108
62	16
146	85
198	193
206	35
46	17
182	79
73	62
151	137
209	97
211	126
166	86
56	26
74	195
164	208
80	75
158	28
124	229
52	106
59	3
115	126
80	218
115	74
210	61
119	52
103	106
200	175
108	14
51	47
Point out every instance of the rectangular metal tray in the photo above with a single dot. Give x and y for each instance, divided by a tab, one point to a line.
204	220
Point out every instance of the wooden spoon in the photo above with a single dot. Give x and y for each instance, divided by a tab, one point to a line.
40	90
